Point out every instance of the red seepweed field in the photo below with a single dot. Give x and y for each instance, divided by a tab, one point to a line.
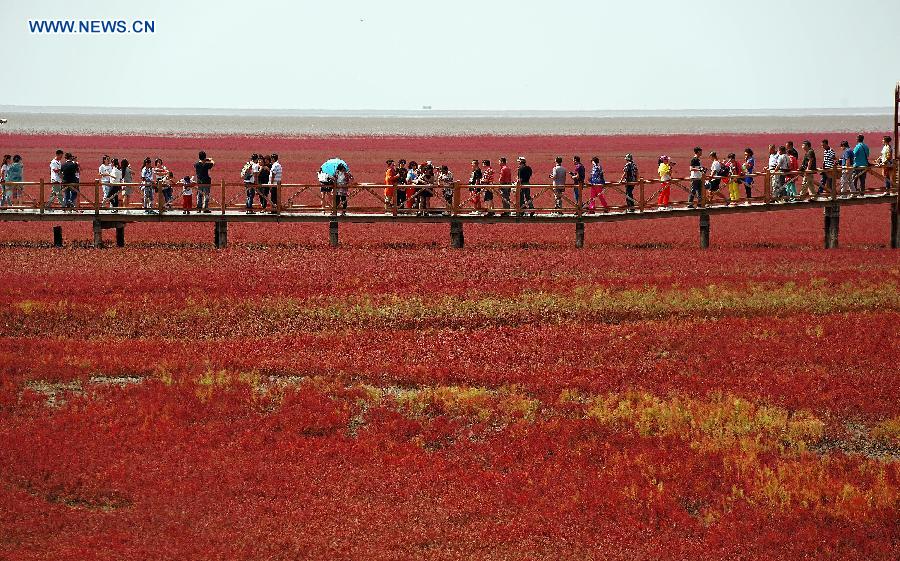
396	399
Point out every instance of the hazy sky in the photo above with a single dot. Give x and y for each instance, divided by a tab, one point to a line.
462	54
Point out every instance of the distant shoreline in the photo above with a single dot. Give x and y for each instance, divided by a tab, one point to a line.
427	123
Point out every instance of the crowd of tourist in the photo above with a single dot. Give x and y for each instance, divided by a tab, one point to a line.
410	185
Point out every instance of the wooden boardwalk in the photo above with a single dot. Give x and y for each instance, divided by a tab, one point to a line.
456	215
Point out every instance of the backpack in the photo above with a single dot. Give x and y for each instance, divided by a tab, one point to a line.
723	171
247	172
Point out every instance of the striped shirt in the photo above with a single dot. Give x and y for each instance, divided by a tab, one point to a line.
828	158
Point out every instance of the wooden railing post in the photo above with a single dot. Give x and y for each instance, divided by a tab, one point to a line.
767	192
641	195
41	198
97	197
516	193
454	207
394	198
222	201
160	199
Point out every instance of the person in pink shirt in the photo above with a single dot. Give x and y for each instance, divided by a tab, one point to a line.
505	181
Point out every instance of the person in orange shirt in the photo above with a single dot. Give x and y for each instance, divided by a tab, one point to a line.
391	177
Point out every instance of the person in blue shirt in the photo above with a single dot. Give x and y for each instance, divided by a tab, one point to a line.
861	163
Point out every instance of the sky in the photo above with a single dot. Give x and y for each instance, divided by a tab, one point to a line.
464	54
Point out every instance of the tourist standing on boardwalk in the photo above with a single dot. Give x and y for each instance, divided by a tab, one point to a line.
716	172
56	188
523	180
401	181
341	190
275	177
794	173
505	179
598	181
734	179
848	186
186	195
696	175
826	181
204	181
148	185
558	179
748	166
250	176
629	176
265	169
887	160
860	163
445	180
474	189
665	175
775	179
5	199
127	179
13	178
809	168
69	172
114	186
487	178
164	180
391	177
578	177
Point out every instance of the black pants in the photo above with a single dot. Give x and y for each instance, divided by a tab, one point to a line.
696	190
340	200
401	195
263	197
629	196
525	200
504	195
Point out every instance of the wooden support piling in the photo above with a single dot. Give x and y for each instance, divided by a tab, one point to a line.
895	225
457	240
98	234
704	230
120	236
832	222
220	234
333	233
579	235
57	236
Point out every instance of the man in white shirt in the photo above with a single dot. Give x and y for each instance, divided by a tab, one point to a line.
887	160
275	174
56	180
106	176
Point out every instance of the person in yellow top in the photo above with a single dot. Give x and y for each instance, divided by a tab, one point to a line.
665	175
735	172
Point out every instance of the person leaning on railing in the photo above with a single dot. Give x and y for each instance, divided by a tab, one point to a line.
56	188
696	175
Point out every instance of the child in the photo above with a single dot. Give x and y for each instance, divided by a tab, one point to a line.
665	175
186	195
734	179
